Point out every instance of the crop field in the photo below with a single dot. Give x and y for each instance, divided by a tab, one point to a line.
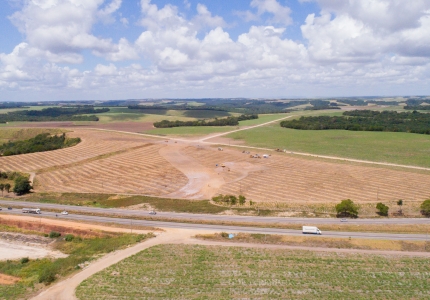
94	143
138	171
286	178
391	147
209	272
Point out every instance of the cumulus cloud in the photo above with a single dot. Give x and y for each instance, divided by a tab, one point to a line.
368	30
63	27
280	14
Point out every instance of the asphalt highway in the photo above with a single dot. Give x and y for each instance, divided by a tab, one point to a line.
218	228
208	217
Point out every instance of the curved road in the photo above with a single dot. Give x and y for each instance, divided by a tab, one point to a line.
226	228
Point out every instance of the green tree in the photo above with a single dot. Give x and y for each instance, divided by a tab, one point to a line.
400	203
382	209
347	208
425	208
22	186
7	187
233	200
242	199
2	188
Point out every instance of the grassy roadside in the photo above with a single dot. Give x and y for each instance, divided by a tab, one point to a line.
211	272
34	274
123	201
324	242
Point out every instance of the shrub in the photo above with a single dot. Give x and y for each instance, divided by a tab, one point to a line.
54	234
425	208
69	237
25	260
224	234
382	209
242	199
347	208
47	276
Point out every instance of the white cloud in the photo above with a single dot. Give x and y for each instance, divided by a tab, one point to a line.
281	14
346	51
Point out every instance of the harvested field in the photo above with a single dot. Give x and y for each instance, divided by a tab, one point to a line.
93	143
284	178
139	171
214	272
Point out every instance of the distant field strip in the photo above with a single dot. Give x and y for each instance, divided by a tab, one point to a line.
285	178
139	171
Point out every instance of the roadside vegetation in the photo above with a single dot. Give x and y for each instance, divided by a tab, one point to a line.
323	242
80	251
118	201
211	272
14	181
41	142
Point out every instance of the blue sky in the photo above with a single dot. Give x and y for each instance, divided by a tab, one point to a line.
117	49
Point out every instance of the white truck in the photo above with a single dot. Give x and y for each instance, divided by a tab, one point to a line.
31	210
311	230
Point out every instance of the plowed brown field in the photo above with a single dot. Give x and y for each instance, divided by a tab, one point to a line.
285	178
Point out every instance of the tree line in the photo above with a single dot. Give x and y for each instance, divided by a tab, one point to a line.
229	121
21	183
54	114
366	120
41	142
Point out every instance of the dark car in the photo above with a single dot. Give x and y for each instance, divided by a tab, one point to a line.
10	208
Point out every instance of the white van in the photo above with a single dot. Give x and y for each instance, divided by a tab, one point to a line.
311	230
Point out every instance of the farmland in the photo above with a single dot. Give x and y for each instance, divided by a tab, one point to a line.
399	148
118	163
210	272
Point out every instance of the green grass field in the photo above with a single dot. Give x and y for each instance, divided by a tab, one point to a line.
391	147
209	272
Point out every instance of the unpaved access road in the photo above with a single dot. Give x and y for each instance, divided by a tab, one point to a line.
65	290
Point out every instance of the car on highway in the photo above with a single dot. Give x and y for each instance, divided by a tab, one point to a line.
64	212
0	208
343	220
152	212
10	208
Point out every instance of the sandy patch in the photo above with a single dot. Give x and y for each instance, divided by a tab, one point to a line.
74	225
225	141
8	280
12	250
203	182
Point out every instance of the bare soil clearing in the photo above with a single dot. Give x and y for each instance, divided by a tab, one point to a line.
8	280
15	246
69	224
